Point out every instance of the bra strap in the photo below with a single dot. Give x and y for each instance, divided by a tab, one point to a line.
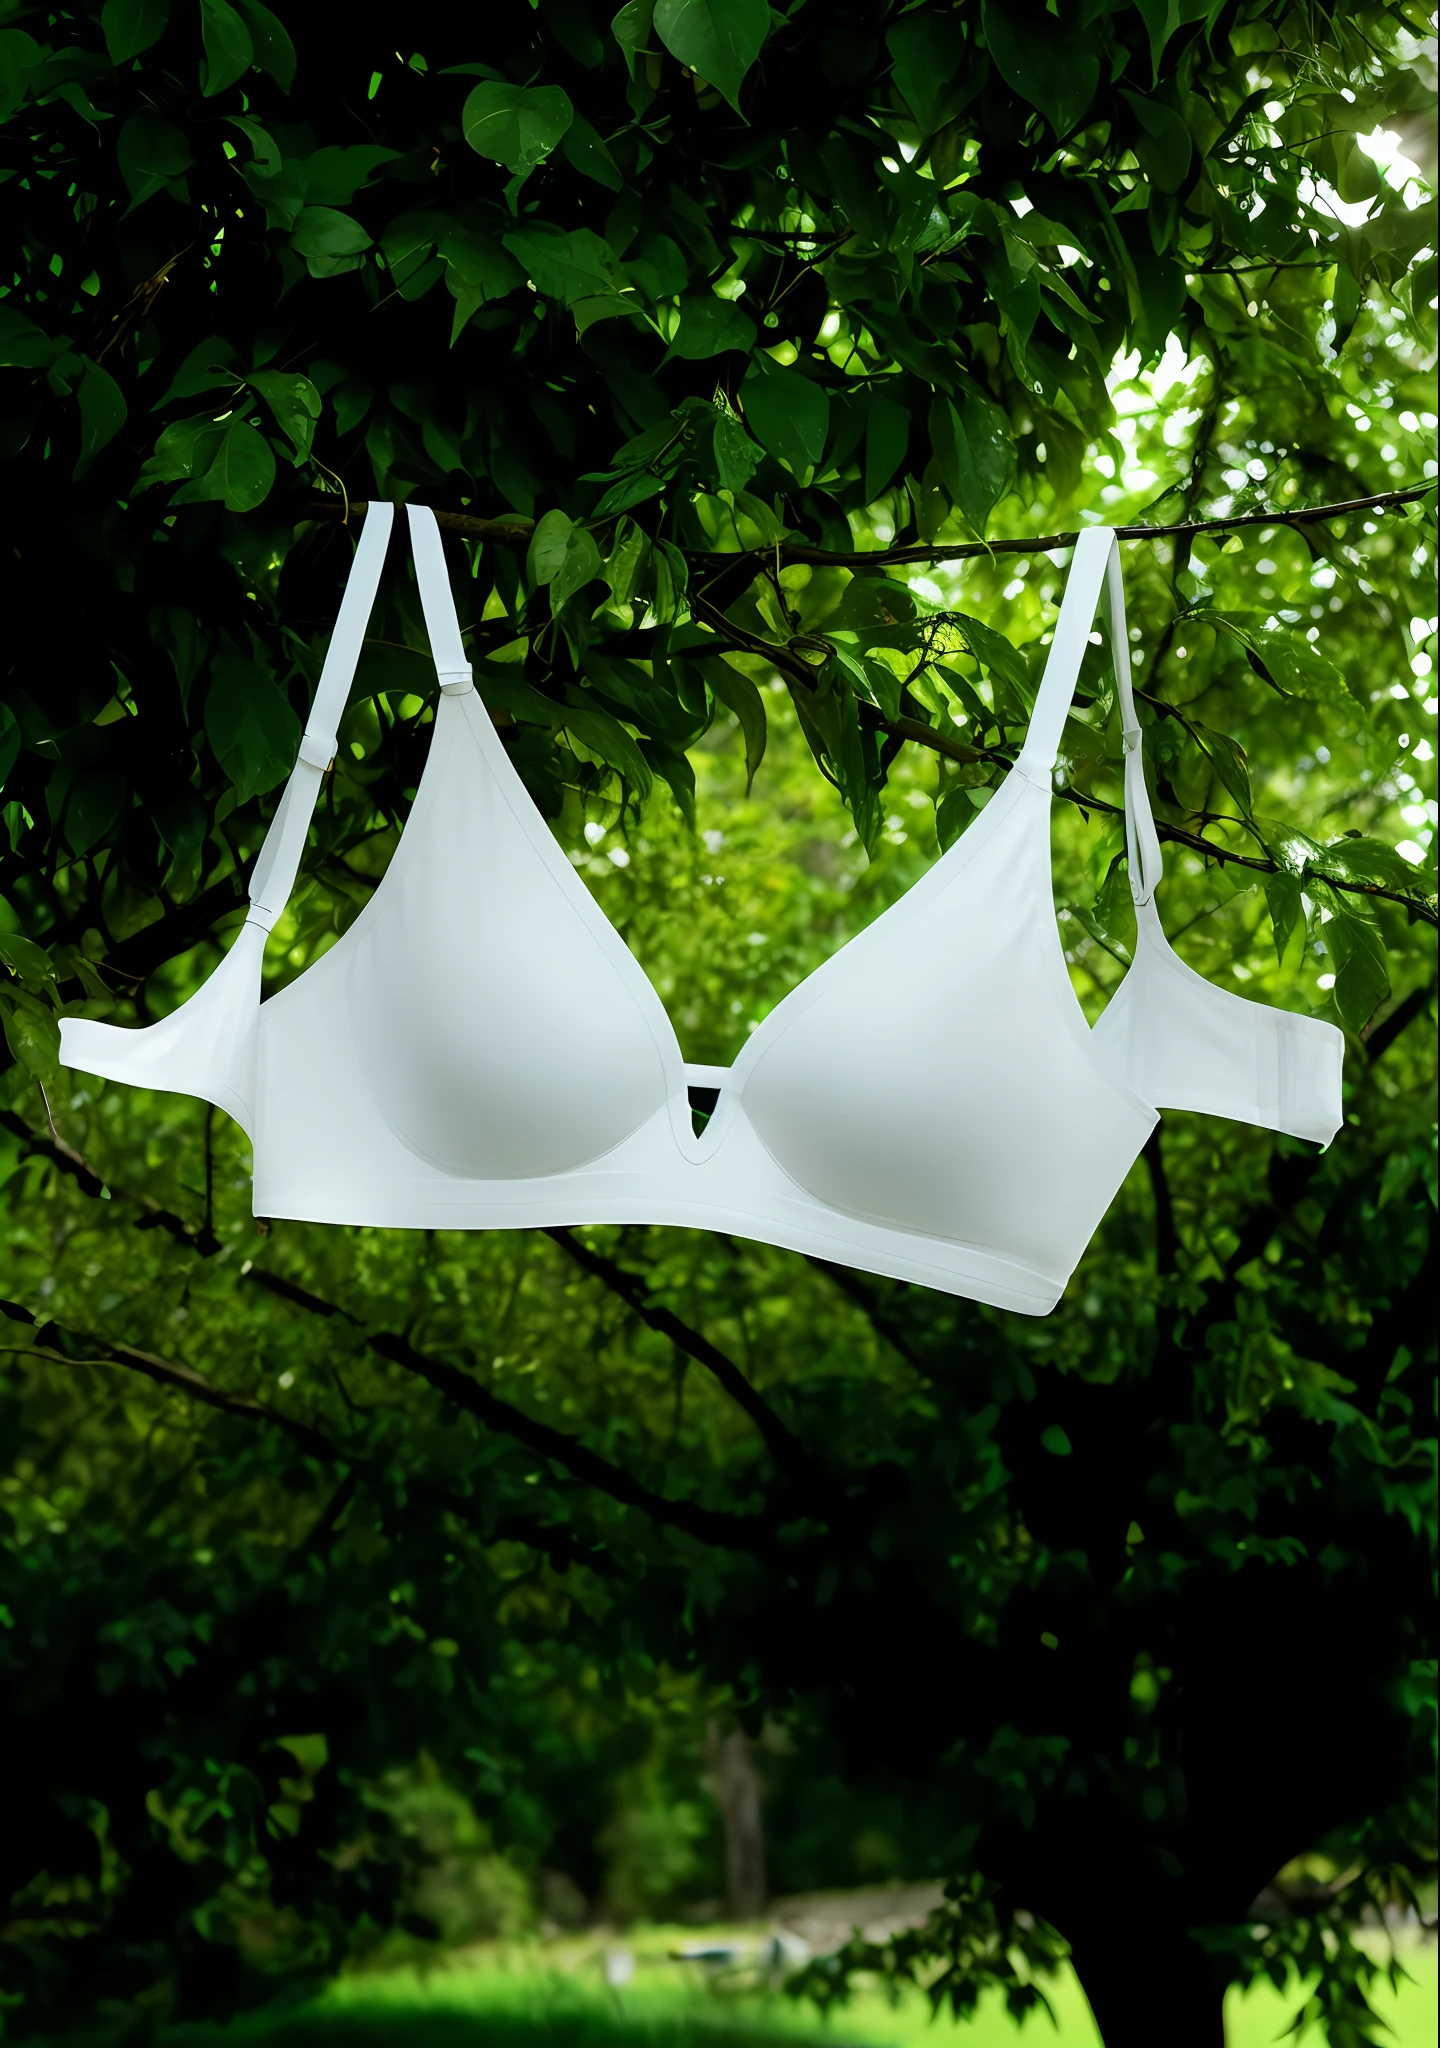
1096	561
437	602
273	876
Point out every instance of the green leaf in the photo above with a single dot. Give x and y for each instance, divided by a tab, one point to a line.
409	239
180	822
23	345
652	700
516	125
130	26
95	800
585	149
928	53
607	737
265	158
1283	896
788	413
1163	146
274	51
738	694
998	657
13	81
630	491
229	51
1055	1441
478	270
647	449
958	808
548	545
332	176
709	327
23	957
185	449
325	231
736	456
1163	17
580	562
1285	658
102	414
1055	67
1349	296
294	401
32	1033
249	724
1229	763
672	577
150	152
717	39
240	474
10	742
208	367
1370	860
672	764
1159	285
634	29
626	562
887	437
1362	980
578	268
975	454
881	684
755	509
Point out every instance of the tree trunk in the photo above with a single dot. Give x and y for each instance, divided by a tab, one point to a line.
1147	1985
737	1793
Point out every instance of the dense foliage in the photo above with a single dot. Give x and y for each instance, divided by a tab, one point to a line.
751	355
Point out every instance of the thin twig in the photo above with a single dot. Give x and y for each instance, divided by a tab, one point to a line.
1421	907
789	1454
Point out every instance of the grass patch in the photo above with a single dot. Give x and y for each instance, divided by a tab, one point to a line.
553	1997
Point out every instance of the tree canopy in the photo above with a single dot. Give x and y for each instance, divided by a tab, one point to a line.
759	362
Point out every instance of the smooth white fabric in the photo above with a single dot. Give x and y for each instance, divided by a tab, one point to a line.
481	1050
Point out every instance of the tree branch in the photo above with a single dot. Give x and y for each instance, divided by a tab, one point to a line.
707	1525
790	1455
562	1546
1166	1239
1384	1034
165	1373
952	551
196	1238
517	532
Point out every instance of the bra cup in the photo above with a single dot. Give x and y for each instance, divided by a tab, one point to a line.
932	1087
498	1040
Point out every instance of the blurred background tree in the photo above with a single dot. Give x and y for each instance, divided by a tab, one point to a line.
758	361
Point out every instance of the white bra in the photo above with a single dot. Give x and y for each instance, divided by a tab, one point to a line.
482	1051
